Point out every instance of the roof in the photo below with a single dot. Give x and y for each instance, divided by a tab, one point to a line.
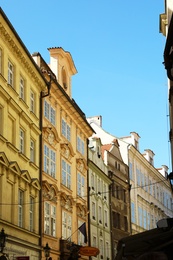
158	239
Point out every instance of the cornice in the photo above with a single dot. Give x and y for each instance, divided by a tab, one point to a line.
19	53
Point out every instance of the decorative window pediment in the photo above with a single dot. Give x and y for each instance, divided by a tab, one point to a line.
36	184
81	210
3	159
14	167
49	191
25	175
81	165
50	135
67	151
66	201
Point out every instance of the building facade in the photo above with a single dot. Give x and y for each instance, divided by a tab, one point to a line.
65	133
99	201
21	84
118	172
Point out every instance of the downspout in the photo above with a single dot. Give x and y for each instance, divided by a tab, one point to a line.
42	95
40	163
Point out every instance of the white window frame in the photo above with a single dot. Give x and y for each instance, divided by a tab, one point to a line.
20	207
10	74
66	130
32	101
49	161
66	174
49	113
49	219
93	210
31	214
32	150
22	88
80	184
66	225
80	145
22	140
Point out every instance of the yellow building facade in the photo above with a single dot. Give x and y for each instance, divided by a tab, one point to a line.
21	83
65	133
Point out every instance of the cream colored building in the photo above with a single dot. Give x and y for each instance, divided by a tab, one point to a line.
64	157
21	83
99	201
151	191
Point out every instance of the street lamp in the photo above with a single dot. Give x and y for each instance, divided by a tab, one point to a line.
47	251
2	240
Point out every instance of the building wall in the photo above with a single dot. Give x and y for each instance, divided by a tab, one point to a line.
99	201
19	130
64	159
151	193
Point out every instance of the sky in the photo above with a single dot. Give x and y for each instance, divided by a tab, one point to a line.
117	49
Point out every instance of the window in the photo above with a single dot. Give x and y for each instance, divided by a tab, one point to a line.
101	247
133	212
80	184
106	218
100	214
116	219
22	89
92	181
131	171
140	214
32	101
107	248
49	219
66	130
66	174
10	74
22	141
80	235
125	223
32	150
66	225
93	210
94	241
20	208
49	161
80	145
49	112
31	214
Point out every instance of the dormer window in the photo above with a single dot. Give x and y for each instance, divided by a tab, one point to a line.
64	79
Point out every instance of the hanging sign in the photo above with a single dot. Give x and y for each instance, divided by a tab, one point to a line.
89	251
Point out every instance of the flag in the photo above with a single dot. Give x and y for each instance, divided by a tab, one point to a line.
82	229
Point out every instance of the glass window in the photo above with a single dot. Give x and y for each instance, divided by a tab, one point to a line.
32	101
80	145
49	161
133	212
80	184
66	174
49	112
32	151
22	89
66	130
49	219
66	225
31	214
20	208
22	141
10	74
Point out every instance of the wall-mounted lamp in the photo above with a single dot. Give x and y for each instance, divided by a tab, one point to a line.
3	237
47	252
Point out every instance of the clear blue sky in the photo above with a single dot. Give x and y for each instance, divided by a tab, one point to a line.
118	52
